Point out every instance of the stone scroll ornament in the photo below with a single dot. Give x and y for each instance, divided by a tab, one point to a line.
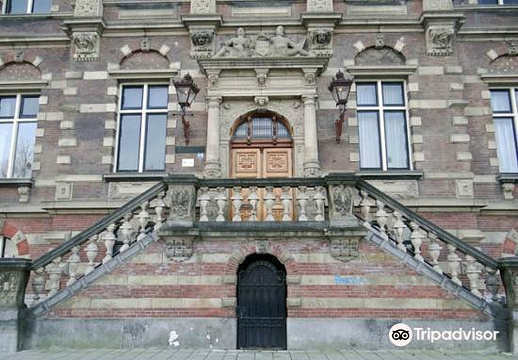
263	45
439	40
86	46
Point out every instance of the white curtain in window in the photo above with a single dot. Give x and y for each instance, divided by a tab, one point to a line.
370	156
393	94
506	145
500	101
366	95
396	140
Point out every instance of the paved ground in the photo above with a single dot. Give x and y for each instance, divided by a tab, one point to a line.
183	354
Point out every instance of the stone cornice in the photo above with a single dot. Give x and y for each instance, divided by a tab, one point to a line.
144	74
7	86
376	71
500	79
309	62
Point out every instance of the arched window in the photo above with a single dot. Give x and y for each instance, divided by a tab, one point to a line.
261	128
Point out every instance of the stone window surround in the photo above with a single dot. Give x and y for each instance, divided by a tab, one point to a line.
144	112
397	73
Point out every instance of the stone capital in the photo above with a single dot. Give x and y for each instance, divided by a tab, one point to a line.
214	101
309	99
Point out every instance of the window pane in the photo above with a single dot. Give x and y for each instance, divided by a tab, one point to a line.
262	128
366	95
241	131
282	131
393	94
157	98
30	106
500	101
7	106
370	156
16	7
506	145
488	2
155	142
129	142
510	2
132	97
24	150
396	140
41	6
6	131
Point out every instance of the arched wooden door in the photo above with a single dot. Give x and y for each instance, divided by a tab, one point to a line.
261	147
261	310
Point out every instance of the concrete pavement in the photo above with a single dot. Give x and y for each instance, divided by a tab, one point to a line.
187	354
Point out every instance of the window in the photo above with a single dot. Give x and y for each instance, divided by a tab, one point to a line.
17	134
3	242
505	118
142	128
498	2
27	6
383	135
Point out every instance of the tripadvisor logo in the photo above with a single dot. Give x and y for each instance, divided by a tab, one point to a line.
401	335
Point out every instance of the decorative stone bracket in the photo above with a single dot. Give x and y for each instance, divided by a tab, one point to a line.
178	249
14	276
441	25
509	272
86	38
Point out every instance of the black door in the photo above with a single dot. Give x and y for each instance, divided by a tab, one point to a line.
261	310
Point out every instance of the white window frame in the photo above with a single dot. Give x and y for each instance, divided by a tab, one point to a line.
3	244
380	109
15	121
513	114
143	112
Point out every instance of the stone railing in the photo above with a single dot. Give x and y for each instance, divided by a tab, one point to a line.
465	265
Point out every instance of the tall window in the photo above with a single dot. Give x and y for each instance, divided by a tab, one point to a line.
27	6
383	135
505	118
142	128
17	134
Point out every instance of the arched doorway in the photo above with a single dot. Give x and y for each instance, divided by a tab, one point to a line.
261	147
261	303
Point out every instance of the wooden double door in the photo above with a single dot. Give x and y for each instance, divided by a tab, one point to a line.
262	162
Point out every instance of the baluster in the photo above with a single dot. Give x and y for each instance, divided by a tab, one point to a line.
435	251
91	254
221	201
473	273
143	219
38	284
73	264
399	227
492	283
286	203
109	241
237	201
204	198
417	240
365	206
319	202
302	200
381	217
54	270
126	232
159	205
269	201
454	262
253	199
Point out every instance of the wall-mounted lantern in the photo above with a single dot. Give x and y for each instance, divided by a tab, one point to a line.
340	87
186	91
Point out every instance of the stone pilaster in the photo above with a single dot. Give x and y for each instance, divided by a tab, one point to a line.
311	162
213	161
14	275
509	272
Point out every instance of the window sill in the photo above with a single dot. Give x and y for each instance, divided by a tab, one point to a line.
507	178
132	176
15	182
42	16
390	175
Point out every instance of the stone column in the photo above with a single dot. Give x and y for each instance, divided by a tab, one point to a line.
311	163
14	276
509	272
213	162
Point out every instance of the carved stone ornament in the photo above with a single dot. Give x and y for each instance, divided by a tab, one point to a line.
19	55
88	8
379	42
320	43
145	44
439	40
202	43
178	249
437	5
180	201
8	286
263	45
512	48
345	249
342	199
203	6
86	46
320	5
